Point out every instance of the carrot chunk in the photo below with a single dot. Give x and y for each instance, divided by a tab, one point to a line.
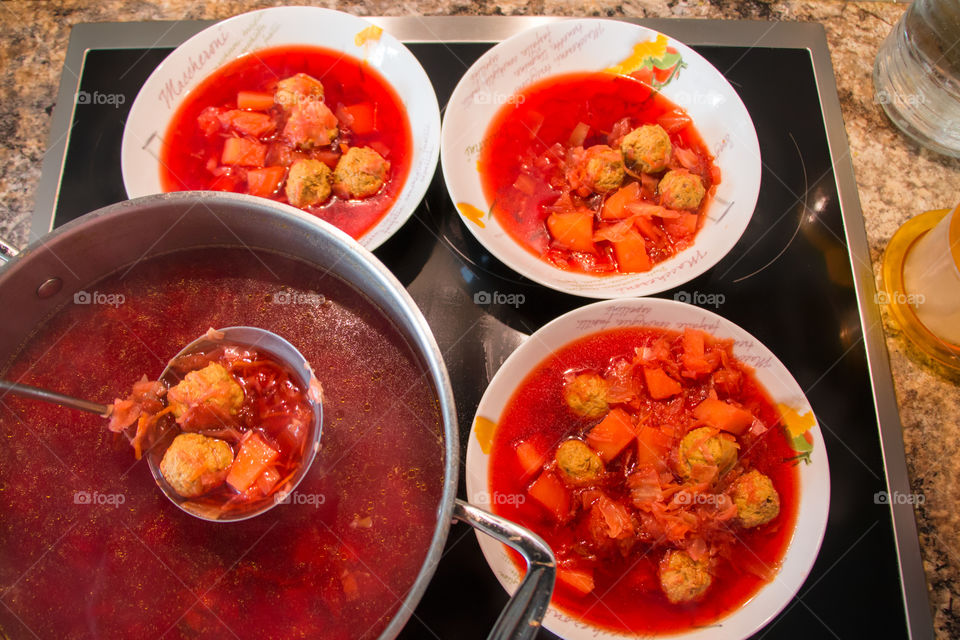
329	157
612	435
694	359
530	457
682	226
256	100
249	123
653	447
363	117
723	416
631	253
253	459
264	182
674	120
267	480
243	152
573	230
380	148
659	384
694	343
614	208
226	182
550	492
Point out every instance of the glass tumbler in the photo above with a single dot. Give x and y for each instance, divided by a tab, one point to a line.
932	275
921	283
917	74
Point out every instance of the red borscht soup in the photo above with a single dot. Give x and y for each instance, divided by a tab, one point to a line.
597	173
307	126
90	547
656	467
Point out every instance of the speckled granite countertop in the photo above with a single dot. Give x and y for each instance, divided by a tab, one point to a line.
896	179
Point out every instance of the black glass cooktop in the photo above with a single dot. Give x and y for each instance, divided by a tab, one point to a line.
788	282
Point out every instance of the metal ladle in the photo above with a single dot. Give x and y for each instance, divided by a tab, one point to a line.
53	397
260	339
264	341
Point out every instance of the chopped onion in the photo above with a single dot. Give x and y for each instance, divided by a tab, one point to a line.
688	159
579	134
525	184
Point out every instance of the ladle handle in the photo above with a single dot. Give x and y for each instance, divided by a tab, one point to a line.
56	398
520	620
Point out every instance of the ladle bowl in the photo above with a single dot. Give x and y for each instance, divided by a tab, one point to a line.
264	341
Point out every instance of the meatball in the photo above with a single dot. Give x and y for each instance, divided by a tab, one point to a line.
682	578
579	464
297	89
680	189
360	173
194	464
756	499
310	125
211	387
646	149
705	447
586	395
308	183
599	170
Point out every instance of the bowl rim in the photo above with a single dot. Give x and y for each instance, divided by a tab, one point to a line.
420	173
613	285
802	551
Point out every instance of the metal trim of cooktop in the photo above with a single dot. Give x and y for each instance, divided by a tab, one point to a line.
791	35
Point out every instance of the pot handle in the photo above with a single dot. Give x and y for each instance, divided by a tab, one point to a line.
7	251
520	620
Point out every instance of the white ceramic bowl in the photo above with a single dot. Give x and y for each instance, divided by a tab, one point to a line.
814	477
197	58
594	45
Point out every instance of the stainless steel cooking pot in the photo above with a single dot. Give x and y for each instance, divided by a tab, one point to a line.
44	277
